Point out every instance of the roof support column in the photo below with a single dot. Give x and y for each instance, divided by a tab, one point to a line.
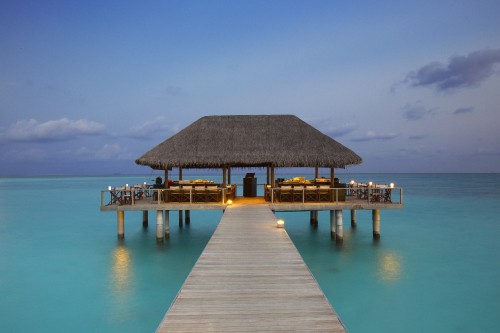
332	177
229	175
272	176
166	175
316	173
224	184
267	175
180	172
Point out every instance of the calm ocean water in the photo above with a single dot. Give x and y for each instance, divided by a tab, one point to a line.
435	269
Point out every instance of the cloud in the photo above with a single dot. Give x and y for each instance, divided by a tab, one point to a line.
112	151
371	136
463	110
461	71
416	111
159	125
171	90
416	137
341	130
53	130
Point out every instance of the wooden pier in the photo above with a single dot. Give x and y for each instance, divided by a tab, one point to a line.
250	278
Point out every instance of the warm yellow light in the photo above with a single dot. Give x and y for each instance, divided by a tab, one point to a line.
391	185
230	202
352	182
390	267
370	183
280	223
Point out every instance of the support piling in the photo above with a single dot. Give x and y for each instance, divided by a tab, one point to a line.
121	224
339	236
376	223
332	224
159	226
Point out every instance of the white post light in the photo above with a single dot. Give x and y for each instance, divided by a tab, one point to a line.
280	223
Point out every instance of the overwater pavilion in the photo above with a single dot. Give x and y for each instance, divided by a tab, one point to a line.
249	141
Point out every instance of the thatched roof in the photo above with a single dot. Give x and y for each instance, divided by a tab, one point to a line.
249	141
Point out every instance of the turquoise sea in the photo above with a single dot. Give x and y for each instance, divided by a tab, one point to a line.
435	269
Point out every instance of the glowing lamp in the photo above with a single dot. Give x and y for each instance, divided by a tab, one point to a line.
391	185
370	183
109	188
230	202
280	223
352	182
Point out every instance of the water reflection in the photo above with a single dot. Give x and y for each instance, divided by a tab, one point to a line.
390	267
121	270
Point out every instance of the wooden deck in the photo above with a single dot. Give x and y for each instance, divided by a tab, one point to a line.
250	278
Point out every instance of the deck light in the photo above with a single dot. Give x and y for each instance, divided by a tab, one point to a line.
370	183
280	223
109	188
230	202
391	185
352	181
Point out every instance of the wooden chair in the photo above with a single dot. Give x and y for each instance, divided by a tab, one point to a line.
298	193
311	194
213	194
324	193
286	193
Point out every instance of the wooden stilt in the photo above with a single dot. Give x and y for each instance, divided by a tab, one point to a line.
188	217
167	224
121	224
353	218
332	224
180	219
273	184
224	175
145	218
311	217
339	236
376	223
159	226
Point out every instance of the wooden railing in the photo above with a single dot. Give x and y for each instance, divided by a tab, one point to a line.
131	195
304	194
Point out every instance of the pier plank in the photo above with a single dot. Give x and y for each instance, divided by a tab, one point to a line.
250	278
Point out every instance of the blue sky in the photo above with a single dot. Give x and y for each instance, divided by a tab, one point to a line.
86	87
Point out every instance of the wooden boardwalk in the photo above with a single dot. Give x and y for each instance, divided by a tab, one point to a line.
250	278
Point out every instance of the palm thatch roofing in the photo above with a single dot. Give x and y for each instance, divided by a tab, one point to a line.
249	141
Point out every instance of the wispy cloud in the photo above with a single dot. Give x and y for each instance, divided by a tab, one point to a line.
62	129
341	131
171	90
416	111
113	151
372	136
460	72
416	137
463	110
160	124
